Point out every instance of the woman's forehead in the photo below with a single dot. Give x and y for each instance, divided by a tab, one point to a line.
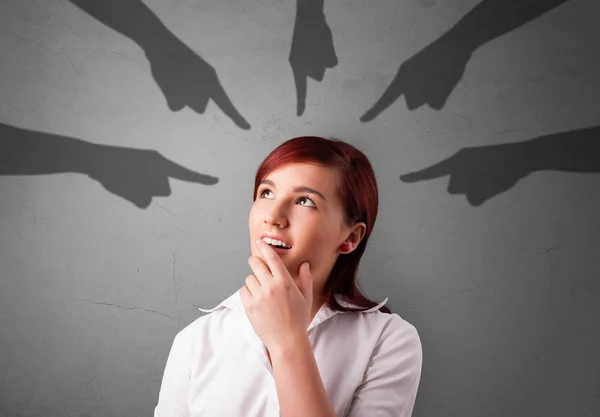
302	167
324	179
294	174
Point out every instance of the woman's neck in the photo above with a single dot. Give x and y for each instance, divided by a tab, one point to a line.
316	306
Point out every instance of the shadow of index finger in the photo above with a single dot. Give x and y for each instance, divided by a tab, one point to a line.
390	95
173	170
301	83
438	170
223	101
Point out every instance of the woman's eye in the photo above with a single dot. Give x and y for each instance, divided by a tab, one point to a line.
303	198
308	199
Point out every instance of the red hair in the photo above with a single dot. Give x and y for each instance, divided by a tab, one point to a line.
358	193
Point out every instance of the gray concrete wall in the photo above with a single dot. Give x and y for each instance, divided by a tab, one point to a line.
130	134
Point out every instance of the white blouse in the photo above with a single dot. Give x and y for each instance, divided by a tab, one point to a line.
370	364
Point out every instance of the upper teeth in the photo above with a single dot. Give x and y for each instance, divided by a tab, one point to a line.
276	242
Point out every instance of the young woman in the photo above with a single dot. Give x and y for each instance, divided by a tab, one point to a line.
299	339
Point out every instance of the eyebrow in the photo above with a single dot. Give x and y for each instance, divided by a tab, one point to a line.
296	189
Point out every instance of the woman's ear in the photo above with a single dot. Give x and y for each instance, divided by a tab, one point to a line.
356	235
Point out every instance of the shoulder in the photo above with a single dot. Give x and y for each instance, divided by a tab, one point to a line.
391	372
380	332
213	327
398	341
373	324
384	325
390	335
206	328
395	326
398	331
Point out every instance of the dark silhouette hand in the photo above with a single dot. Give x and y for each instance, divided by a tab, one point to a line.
185	79
483	172
478	173
139	174
136	175
430	76
427	78
312	50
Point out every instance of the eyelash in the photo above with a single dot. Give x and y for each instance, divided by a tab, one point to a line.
260	193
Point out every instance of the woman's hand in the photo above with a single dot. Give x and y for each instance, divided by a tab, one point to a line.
278	307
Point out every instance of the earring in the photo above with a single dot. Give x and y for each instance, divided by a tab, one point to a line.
344	247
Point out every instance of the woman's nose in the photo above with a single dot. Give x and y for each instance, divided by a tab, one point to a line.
276	217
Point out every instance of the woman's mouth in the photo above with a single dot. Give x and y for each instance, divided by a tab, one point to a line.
278	245
280	250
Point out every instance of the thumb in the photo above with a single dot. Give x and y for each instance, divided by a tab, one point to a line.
305	280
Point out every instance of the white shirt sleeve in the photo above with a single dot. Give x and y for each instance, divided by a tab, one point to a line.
173	395
391	380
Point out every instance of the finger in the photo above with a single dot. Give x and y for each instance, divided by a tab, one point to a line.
435	171
476	199
300	82
173	170
274	262
223	101
305	281
438	102
479	196
174	101
245	294
414	99
253	285
390	95
260	269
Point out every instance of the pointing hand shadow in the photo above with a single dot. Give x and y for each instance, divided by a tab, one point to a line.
481	173
427	78
312	50
136	175
430	76
184	78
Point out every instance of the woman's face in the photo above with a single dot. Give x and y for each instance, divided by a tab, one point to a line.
299	203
